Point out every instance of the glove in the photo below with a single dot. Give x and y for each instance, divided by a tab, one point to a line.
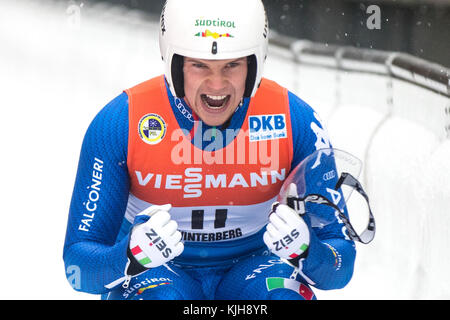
156	241
287	234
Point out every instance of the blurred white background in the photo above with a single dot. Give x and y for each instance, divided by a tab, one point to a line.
61	62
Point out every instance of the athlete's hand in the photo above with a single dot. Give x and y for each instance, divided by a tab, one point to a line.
287	234
156	241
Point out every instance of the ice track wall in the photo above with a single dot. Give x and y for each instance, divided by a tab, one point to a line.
61	62
392	110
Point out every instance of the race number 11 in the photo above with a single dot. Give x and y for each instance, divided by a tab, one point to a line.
198	217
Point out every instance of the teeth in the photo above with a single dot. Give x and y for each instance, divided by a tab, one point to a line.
216	97
215	102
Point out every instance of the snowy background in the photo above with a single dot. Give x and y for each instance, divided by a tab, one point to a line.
61	62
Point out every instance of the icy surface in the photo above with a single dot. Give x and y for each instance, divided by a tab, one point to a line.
60	62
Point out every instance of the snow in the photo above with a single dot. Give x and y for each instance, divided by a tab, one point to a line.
58	69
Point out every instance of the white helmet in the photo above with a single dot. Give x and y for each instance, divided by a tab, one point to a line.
213	29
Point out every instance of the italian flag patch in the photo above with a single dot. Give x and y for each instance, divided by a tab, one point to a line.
302	248
291	284
140	256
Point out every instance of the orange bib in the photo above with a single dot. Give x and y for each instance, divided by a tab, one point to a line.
229	188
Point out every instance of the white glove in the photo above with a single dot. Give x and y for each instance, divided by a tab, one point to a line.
287	234
157	241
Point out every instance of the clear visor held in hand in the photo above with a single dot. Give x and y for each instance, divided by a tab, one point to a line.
321	186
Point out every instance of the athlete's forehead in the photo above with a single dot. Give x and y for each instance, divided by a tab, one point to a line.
214	62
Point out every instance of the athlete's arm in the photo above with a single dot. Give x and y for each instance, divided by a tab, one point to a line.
331	256
92	257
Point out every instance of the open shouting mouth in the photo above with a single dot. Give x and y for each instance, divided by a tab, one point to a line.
215	102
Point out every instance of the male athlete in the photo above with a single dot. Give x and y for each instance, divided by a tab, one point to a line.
178	175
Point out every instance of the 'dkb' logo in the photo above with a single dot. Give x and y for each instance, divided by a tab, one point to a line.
267	127
152	128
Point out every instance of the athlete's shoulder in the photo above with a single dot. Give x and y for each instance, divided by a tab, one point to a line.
270	98
144	87
109	129
297	104
270	87
266	82
302	114
113	113
308	131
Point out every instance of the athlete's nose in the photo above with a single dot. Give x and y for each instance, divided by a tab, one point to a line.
216	82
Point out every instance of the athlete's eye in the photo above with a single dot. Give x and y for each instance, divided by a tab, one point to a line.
199	65
232	65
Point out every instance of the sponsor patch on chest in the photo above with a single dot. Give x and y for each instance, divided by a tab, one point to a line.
267	127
